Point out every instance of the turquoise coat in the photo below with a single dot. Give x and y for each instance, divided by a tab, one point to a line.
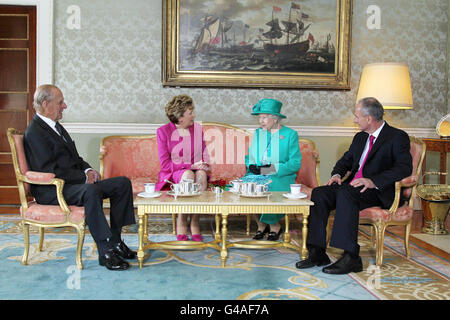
280	149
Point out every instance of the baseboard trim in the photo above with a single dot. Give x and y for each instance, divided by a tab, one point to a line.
304	131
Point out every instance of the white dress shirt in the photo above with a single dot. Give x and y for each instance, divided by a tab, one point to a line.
366	148
48	121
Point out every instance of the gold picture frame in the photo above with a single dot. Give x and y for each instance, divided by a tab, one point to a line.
311	50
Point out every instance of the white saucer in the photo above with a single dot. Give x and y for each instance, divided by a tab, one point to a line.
149	195
295	196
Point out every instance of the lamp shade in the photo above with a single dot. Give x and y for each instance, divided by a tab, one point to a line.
389	83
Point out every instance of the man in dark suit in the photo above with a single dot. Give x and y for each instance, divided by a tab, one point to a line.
378	157
49	148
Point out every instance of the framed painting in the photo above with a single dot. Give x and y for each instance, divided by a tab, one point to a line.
257	44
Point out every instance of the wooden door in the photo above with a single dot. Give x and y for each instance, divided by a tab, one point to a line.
17	86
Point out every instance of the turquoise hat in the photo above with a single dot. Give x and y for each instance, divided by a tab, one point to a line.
270	106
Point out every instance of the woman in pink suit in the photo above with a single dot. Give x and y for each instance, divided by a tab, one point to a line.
182	154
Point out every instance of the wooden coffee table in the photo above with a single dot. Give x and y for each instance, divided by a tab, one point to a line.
223	206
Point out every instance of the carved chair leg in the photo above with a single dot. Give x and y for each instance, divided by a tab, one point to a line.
81	232
380	243
41	238
26	240
407	232
373	236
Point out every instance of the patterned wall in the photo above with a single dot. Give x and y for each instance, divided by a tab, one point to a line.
110	69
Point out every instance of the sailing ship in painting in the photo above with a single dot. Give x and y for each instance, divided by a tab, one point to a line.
284	46
295	29
214	34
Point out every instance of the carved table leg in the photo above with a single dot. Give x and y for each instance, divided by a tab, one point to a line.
217	233
223	252
287	235
140	252
304	235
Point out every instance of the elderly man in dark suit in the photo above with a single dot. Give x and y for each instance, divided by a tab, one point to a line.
49	148
378	157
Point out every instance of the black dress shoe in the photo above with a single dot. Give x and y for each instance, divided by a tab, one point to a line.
273	236
260	234
344	265
112	261
123	251
316	257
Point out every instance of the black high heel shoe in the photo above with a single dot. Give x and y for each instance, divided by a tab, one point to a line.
260	234
273	236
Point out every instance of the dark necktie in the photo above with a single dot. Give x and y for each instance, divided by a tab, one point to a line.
58	128
359	173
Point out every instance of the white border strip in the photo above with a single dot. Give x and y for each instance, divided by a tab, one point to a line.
44	41
304	131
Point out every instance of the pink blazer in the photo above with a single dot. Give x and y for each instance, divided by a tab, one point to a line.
176	153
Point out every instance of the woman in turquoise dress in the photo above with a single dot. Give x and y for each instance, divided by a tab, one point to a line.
274	155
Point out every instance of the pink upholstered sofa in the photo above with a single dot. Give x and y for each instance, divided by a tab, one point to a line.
137	157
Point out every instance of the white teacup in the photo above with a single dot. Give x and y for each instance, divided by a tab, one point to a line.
176	188
296	188
249	188
261	189
149	187
195	188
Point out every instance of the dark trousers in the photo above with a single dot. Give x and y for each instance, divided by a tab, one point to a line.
347	201
91	196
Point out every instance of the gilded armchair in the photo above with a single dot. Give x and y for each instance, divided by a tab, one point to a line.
42	216
400	213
